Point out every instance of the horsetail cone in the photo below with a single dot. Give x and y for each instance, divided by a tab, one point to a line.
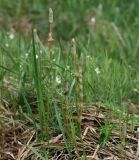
73	50
73	47
51	20
37	39
51	16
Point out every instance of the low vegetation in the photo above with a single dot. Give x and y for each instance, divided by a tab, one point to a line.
69	80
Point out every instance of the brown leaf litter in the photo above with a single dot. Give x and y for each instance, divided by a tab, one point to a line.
18	141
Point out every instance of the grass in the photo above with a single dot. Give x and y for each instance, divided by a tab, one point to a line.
67	94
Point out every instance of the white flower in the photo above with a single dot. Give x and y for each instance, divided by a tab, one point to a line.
135	90
37	56
11	36
26	54
7	45
93	20
97	70
68	67
20	66
58	80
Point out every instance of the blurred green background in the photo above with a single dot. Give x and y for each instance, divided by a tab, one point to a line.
71	17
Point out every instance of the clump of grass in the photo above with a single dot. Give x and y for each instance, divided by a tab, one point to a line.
123	134
38	86
76	74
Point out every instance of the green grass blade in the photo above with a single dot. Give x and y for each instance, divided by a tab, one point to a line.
61	128
37	77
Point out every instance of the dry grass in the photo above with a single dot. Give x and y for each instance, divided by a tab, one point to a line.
19	142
